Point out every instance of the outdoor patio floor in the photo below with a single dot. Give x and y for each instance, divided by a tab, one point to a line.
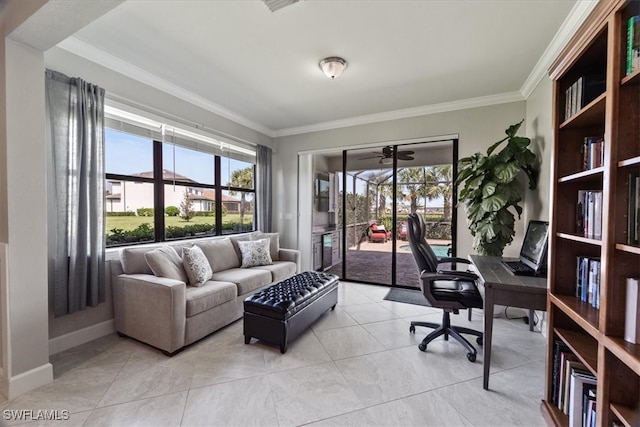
371	262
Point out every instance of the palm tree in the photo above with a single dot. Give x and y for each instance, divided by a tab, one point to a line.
439	185
412	179
242	178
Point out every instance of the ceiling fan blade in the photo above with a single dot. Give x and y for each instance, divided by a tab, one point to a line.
371	157
404	157
406	152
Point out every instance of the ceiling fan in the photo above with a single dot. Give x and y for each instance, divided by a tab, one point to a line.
386	156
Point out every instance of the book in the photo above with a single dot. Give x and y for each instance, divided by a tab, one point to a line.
633	220
579	378
559	347
633	44
631	313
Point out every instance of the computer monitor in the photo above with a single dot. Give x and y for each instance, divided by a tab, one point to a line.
534	247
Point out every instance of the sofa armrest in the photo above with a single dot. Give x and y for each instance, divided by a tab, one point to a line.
150	309
292	255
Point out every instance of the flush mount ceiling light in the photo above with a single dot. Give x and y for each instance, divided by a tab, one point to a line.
333	66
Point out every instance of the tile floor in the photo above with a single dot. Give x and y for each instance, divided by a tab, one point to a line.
357	366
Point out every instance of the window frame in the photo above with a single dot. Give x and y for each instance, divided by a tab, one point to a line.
158	190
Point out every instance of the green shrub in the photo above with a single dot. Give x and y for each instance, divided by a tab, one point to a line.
145	211
204	213
175	232
143	233
171	211
128	213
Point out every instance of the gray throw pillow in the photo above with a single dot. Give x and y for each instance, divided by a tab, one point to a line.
165	262
196	265
255	252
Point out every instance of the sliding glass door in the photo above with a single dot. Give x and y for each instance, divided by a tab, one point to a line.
378	189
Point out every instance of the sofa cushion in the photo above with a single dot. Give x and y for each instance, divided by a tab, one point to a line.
255	252
274	245
247	279
165	262
280	270
196	265
208	296
240	238
220	254
134	262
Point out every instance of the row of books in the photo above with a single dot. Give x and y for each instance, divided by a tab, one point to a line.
589	214
632	312
588	280
583	91
633	217
573	387
592	152
633	44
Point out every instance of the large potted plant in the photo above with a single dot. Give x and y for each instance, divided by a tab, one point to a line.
491	192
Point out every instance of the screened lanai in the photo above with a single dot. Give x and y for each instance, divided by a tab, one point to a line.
381	194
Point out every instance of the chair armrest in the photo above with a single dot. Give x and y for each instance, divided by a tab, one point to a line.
292	255
150	309
453	259
448	275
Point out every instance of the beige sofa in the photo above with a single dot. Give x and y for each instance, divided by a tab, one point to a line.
168	313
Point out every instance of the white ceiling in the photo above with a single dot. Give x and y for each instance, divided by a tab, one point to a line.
261	67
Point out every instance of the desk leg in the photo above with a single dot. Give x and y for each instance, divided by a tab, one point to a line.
531	320
488	330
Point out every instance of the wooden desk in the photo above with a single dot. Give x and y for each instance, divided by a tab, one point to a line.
504	288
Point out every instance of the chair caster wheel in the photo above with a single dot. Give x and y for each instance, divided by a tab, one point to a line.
422	347
471	357
479	340
412	329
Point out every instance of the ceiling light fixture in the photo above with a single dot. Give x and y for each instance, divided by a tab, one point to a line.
333	66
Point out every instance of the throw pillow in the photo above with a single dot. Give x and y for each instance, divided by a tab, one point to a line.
165	262
274	246
196	265
255	252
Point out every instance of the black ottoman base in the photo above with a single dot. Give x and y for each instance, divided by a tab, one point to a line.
280	328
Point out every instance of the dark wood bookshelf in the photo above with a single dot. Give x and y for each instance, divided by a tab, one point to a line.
595	336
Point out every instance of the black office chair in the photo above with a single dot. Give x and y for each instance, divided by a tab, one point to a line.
450	290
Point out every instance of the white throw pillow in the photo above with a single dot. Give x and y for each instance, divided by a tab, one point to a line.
196	265
255	252
165	262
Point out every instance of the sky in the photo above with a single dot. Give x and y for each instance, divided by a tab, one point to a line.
128	154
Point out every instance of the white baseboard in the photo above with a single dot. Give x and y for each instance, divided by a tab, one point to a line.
27	381
81	336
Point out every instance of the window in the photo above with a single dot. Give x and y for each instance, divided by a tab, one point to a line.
173	187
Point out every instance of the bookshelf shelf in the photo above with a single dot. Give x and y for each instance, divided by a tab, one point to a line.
591	112
629	416
576	238
582	175
629	162
580	312
628	248
631	79
594	335
628	353
586	348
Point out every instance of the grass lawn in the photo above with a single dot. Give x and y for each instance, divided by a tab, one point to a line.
131	222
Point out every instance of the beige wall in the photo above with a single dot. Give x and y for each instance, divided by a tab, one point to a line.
477	129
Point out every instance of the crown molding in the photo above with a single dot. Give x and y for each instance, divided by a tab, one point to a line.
100	57
576	17
444	107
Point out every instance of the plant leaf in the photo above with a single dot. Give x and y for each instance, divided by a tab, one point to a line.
513	129
488	189
505	172
494	146
494	203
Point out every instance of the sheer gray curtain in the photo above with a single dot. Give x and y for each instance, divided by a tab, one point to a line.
263	188
76	127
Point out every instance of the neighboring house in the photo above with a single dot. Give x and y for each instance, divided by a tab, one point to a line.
129	196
